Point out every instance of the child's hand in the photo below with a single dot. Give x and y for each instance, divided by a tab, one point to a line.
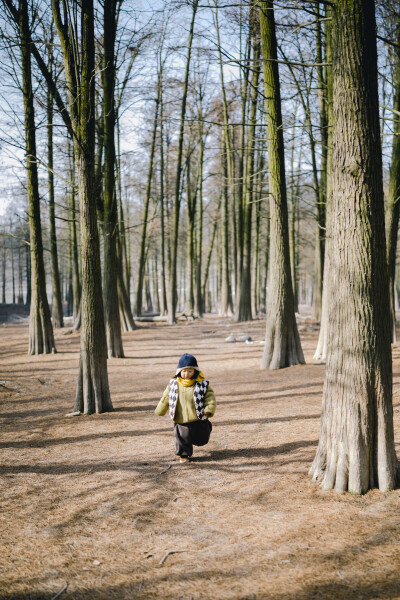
207	414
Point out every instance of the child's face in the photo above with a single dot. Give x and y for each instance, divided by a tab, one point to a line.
187	373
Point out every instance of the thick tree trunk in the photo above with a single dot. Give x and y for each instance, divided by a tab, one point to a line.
356	447
282	341
41	340
92	394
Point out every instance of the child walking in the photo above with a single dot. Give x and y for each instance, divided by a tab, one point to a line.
191	402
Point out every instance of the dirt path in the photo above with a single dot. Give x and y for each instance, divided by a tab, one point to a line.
97	502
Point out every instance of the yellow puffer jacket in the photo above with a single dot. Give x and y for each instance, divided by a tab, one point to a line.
185	411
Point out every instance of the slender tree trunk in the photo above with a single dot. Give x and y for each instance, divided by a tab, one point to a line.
12	268
163	308
244	307
111	307
3	294
394	186
142	265
356	447
57	308
199	304
225	298
172	291
41	340
282	341
322	346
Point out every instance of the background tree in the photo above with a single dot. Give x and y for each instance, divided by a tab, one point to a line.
282	341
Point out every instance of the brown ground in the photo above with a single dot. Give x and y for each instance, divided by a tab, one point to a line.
96	502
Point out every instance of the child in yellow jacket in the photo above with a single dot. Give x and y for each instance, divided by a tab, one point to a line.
190	401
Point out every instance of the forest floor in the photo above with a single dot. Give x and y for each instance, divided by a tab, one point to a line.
95	503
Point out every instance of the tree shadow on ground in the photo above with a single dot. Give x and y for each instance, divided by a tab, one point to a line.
153	465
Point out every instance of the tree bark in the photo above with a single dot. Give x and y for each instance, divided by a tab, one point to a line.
356	447
244	306
394	187
57	308
92	394
41	340
282	342
111	308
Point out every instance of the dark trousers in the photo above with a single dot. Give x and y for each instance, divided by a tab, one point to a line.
188	435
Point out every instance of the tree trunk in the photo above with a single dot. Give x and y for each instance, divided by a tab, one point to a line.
282	341
321	351
244	306
356	447
57	308
199	304
41	340
394	187
111	308
92	394
172	291
225	298
142	255
3	291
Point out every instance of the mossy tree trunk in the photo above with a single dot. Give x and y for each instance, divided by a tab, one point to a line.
92	394
41	339
111	306
282	342
356	447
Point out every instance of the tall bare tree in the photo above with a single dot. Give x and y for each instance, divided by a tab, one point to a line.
282	341
356	447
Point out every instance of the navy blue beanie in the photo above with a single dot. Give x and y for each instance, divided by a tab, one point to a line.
187	360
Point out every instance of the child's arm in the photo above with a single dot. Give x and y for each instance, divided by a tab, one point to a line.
163	405
210	402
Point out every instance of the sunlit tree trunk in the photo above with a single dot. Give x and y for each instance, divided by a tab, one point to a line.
282	342
356	447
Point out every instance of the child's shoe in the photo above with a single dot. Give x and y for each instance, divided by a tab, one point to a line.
184	459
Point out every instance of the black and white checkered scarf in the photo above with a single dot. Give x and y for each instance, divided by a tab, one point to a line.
199	393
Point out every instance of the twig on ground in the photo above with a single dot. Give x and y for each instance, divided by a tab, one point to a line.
3	385
165	470
164	558
248	447
60	592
